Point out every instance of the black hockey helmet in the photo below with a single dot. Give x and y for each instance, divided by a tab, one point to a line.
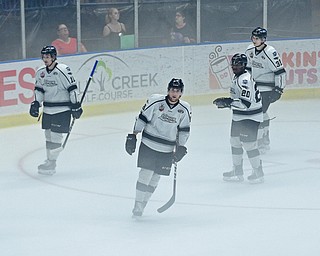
260	32
239	59
49	49
176	84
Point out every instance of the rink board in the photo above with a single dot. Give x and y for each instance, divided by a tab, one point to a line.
124	79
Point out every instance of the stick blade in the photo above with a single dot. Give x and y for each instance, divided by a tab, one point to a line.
167	205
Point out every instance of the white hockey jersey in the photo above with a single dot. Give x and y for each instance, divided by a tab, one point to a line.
246	97
162	125
266	67
55	89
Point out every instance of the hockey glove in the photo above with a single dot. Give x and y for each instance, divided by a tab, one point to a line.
181	151
131	143
275	94
76	110
223	102
34	108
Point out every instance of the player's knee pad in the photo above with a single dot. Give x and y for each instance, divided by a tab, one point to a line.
56	137
235	142
47	134
145	176
249	146
154	180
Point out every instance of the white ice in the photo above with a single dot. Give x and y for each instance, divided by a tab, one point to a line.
85	208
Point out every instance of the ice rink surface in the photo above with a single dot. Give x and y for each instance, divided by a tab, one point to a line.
85	208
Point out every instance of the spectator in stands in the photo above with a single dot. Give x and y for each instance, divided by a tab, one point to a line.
66	44
181	32
113	29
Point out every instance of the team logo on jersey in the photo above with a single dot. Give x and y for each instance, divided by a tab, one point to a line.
161	107
274	53
49	83
168	119
180	111
245	81
256	64
251	55
55	73
262	57
42	74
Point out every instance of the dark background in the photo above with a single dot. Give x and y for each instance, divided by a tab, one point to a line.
220	21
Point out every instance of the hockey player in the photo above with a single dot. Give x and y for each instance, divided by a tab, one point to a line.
55	90
245	102
267	70
164	122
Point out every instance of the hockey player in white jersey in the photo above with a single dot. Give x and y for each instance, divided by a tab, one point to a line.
246	105
164	122
55	90
267	70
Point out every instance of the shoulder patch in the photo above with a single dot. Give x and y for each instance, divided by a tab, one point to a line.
161	107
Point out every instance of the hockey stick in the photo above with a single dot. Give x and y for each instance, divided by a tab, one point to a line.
171	201
82	98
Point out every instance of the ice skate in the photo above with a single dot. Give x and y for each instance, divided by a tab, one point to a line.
236	175
138	209
47	168
256	176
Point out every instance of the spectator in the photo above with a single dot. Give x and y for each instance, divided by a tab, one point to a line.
113	29
181	32
65	44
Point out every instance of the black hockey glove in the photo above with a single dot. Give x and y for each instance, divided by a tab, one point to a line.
131	143
76	110
223	102
275	94
181	151
34	108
